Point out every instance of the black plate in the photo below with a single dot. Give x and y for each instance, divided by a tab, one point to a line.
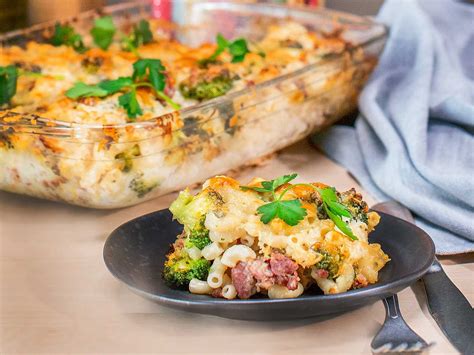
135	252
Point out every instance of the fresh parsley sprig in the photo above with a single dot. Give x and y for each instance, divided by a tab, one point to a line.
146	73
140	35
103	32
8	80
272	185
292	211
67	35
237	48
335	210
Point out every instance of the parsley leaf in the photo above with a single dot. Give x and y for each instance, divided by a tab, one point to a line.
113	86
81	89
290	211
254	188
340	224
339	209
268	211
282	180
238	49
102	89
8	80
67	35
130	103
272	185
151	68
222	44
141	35
336	210
329	197
103	32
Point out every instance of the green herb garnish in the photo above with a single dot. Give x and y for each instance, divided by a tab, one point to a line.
237	48
113	86
9	77
66	35
292	211
83	90
103	32
130	103
8	80
151	69
141	35
146	73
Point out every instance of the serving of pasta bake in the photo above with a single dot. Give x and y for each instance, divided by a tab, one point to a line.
118	109
272	238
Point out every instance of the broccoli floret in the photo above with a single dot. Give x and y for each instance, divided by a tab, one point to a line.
329	263
92	64
180	269
142	187
206	89
190	210
126	158
206	62
198	237
353	201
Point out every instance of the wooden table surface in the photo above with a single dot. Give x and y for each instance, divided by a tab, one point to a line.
56	295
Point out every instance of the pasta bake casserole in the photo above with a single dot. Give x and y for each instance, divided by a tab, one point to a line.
112	114
272	238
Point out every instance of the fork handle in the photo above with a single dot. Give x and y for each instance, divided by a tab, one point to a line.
392	308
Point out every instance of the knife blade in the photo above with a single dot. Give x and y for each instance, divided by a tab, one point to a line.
447	305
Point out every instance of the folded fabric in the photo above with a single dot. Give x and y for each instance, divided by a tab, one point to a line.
413	141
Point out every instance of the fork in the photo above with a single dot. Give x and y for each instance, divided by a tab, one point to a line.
396	336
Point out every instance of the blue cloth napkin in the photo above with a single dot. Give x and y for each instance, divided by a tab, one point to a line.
414	139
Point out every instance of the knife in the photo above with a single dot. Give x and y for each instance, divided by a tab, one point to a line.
448	306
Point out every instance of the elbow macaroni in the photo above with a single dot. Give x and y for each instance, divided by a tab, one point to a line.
199	287
229	292
247	240
212	251
237	253
216	274
341	284
278	291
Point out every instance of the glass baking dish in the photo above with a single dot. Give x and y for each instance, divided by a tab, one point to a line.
110	166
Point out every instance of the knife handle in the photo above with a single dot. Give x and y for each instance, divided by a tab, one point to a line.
457	315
